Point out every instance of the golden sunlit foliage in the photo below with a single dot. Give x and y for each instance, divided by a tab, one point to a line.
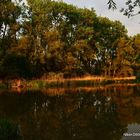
53	37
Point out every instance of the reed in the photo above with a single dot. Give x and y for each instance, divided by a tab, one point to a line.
72	82
78	82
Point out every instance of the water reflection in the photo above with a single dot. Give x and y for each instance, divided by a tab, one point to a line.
103	113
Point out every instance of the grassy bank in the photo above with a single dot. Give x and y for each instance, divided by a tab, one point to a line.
72	82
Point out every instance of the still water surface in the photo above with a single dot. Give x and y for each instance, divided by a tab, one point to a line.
102	113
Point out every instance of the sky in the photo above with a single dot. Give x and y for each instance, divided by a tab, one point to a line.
132	24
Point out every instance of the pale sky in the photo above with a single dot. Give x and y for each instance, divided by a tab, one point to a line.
132	24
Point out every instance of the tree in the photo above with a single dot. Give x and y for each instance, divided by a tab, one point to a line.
135	57
121	65
51	36
106	35
9	34
9	25
132	7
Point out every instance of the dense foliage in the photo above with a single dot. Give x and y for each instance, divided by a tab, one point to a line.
54	37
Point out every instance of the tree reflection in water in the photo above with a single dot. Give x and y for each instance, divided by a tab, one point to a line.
101	114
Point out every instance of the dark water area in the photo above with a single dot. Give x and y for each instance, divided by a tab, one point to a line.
89	113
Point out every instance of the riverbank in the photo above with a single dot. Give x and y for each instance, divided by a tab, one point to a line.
61	82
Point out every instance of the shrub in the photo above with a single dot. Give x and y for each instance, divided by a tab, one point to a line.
9	130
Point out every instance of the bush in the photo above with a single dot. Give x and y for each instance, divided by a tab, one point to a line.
52	76
9	130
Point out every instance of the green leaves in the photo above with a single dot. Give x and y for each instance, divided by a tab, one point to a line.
52	36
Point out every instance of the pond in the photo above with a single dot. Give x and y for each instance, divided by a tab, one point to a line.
86	113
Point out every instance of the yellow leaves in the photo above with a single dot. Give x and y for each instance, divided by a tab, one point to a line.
80	45
84	33
125	71
21	49
53	41
52	35
126	62
70	58
71	62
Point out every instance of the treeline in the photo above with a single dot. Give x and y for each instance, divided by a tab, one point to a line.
46	37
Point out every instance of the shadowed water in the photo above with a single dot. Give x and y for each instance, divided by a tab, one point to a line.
102	113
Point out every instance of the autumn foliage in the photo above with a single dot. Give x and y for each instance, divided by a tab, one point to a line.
46	37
